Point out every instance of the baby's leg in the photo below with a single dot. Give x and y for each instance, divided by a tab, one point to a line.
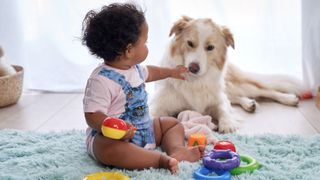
127	155
169	133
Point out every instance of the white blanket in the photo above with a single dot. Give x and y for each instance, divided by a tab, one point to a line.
196	123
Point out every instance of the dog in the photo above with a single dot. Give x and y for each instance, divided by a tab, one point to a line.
212	84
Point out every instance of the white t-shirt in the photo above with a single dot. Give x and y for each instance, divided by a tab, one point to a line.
105	95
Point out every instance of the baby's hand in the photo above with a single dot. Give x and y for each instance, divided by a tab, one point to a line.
130	132
178	72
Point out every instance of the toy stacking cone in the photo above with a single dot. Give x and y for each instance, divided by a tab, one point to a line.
197	139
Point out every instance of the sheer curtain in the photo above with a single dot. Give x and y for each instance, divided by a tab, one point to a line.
43	36
311	43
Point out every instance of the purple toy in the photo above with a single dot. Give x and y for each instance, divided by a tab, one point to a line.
221	160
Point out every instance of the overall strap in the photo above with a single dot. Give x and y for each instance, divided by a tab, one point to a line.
116	77
140	72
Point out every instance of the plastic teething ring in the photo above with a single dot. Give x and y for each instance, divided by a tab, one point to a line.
202	173
251	165
212	162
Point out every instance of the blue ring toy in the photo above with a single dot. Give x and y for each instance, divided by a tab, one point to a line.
212	160
202	173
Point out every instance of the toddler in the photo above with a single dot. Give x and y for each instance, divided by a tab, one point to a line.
118	34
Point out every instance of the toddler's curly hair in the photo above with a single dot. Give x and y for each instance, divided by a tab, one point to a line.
108	32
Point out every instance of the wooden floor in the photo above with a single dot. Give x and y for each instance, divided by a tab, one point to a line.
45	112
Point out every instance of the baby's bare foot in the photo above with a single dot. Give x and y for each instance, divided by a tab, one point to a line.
190	154
173	165
169	163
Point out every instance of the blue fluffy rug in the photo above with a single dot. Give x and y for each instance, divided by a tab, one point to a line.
62	155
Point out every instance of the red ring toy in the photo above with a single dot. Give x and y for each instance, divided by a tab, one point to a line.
224	145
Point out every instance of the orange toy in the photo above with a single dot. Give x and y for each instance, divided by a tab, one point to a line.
197	139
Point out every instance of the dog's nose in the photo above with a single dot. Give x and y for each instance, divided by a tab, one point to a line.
194	68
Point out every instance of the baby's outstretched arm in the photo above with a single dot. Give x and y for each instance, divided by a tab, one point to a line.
158	73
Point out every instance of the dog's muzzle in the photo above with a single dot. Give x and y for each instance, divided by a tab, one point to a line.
194	68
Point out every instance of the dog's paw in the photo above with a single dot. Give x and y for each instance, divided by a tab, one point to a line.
250	106
228	125
290	99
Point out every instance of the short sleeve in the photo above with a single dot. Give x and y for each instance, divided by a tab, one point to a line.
97	96
145	72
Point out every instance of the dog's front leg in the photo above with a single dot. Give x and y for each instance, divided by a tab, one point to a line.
222	113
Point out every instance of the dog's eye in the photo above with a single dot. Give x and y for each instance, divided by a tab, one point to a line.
190	43
210	48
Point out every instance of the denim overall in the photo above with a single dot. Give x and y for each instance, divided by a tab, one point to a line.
136	108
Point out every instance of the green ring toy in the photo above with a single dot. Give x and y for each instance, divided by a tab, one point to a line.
251	165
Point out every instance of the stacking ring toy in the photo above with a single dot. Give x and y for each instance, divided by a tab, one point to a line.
106	175
224	145
221	160
203	173
251	165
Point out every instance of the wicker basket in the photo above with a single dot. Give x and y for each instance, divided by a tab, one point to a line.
11	87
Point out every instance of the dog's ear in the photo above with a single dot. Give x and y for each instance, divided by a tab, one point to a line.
228	36
180	25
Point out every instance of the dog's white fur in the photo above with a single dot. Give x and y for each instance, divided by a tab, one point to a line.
211	84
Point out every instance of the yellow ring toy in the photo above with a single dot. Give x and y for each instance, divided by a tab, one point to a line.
106	175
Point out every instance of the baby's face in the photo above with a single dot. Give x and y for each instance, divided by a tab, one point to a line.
140	48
